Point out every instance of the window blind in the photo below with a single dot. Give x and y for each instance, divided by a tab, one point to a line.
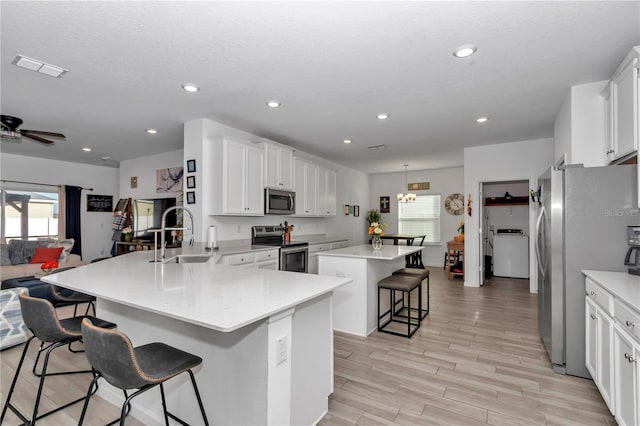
421	217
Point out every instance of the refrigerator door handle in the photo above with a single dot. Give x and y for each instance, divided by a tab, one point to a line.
540	240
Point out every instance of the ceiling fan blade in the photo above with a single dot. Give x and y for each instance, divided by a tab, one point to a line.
5	126
40	132
37	138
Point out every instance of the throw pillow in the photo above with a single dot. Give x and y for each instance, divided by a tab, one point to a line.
4	252
21	251
44	254
67	245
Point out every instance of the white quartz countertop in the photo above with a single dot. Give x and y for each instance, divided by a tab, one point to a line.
318	239
623	286
215	296
365	251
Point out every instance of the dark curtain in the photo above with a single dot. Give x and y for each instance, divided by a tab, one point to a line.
72	209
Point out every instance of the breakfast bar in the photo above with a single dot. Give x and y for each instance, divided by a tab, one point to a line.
355	304
266	337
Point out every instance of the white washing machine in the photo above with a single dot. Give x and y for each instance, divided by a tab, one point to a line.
511	255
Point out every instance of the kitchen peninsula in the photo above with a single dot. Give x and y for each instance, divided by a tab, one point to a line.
266	337
355	304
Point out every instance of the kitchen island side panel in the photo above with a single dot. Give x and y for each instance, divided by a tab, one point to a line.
232	378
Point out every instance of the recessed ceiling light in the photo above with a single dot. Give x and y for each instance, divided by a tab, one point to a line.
347	141
382	116
273	104
152	131
86	149
482	119
190	87
464	51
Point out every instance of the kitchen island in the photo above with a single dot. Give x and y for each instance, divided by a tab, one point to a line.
355	304
266	337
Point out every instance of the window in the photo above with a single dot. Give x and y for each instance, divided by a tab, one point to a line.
29	215
422	217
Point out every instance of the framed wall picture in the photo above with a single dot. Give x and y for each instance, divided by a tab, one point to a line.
99	203
356	211
346	209
385	205
191	197
191	181
191	166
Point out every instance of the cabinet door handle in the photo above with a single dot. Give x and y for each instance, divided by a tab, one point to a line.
593	293
630	324
630	358
611	151
593	317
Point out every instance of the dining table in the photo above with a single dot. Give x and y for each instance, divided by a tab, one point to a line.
412	260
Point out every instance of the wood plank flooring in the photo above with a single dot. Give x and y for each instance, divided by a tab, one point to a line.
477	359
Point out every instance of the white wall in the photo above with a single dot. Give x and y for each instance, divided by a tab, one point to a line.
96	227
579	126
443	182
145	170
352	188
502	162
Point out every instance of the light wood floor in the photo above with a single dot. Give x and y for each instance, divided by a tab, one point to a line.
477	359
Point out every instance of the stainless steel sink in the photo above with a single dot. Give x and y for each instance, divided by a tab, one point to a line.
189	258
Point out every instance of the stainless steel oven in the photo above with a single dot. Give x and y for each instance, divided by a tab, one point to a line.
294	258
294	255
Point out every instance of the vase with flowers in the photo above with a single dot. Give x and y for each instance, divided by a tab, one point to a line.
460	237
127	233
376	230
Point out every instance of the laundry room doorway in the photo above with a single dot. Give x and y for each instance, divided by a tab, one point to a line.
504	242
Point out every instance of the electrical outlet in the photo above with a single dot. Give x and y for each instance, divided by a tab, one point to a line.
281	350
340	274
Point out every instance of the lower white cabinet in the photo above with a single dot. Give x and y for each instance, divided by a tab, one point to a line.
314	249
627	395
267	259
599	349
612	350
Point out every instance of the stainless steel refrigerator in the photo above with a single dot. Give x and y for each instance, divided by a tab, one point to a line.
582	218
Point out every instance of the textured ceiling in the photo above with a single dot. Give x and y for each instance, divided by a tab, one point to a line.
333	65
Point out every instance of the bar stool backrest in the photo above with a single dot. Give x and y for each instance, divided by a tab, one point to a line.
112	354
40	317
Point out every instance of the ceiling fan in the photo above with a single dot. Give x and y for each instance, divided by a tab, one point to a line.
9	131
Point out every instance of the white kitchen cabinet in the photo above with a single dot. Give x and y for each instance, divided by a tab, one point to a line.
237	188
278	166
265	259
627	393
306	187
622	109
591	330
599	340
326	192
314	249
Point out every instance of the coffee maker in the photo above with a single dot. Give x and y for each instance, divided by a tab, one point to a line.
633	254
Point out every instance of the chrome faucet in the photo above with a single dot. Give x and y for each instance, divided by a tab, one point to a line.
163	243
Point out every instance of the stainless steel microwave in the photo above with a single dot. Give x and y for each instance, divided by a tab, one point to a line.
277	201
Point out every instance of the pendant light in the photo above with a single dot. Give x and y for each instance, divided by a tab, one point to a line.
409	197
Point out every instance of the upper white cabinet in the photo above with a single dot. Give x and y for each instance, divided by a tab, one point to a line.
622	113
278	166
315	188
326	192
306	187
237	187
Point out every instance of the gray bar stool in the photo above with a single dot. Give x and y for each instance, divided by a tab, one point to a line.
406	284
40	317
113	357
422	274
